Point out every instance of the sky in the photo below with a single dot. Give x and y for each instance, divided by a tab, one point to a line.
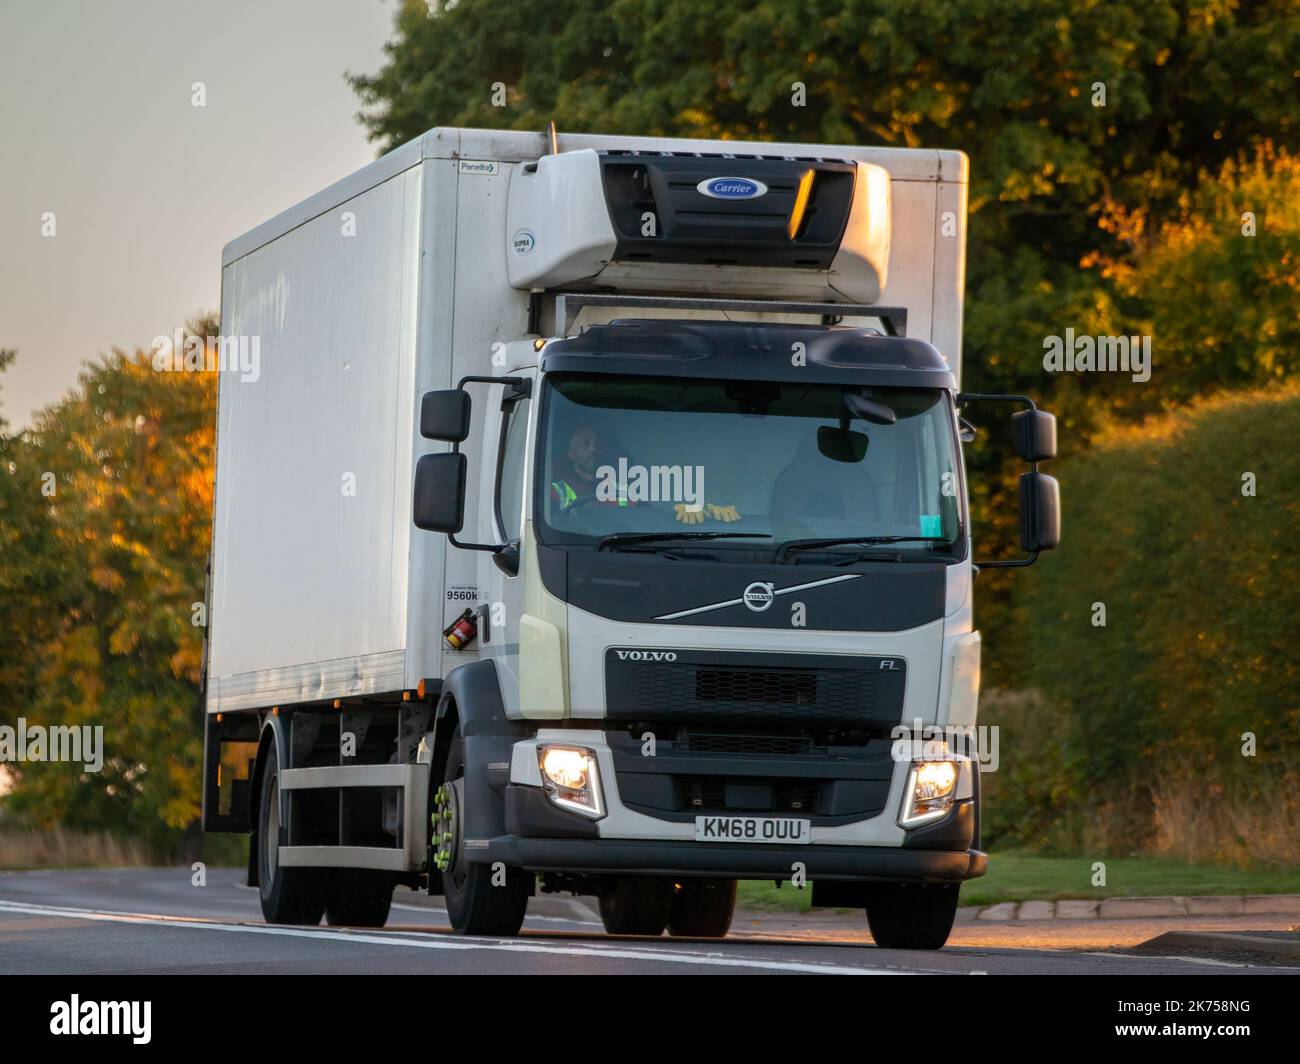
99	128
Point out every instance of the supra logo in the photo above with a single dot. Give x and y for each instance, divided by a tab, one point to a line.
646	655
731	188
759	596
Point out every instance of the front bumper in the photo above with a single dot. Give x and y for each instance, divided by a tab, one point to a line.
733	860
542	838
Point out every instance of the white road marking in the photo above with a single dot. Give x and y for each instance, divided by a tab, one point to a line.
712	959
531	916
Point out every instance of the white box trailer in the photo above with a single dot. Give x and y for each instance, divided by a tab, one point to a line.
355	659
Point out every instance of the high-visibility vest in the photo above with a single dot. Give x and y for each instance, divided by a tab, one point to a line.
564	493
567	496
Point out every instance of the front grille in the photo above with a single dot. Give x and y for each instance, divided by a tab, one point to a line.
749	745
731	687
756	685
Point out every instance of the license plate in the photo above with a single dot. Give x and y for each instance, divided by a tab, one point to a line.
752	829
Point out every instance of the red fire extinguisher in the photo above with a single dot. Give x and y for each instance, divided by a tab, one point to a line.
461	631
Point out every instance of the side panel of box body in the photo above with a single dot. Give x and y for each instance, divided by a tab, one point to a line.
311	530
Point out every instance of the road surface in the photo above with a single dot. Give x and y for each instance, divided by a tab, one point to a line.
155	921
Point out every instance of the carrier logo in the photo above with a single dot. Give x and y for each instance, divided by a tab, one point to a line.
731	188
759	596
646	655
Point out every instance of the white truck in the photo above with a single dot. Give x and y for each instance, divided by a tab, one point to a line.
596	522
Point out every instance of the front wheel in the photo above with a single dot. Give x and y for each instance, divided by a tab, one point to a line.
911	915
480	900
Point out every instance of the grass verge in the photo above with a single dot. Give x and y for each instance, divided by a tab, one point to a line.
1028	877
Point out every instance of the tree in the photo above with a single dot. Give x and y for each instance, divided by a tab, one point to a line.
109	501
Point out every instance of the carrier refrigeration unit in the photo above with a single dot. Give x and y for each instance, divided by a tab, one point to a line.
596	522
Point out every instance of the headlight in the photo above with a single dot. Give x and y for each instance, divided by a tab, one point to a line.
931	786
571	779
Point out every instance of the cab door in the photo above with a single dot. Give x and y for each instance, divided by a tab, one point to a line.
506	454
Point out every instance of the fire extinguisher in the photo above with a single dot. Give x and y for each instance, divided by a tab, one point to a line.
461	631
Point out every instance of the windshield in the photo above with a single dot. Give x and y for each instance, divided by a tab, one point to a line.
749	460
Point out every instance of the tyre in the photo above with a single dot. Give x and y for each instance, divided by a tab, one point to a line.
911	915
636	905
288	895
475	904
359	897
702	908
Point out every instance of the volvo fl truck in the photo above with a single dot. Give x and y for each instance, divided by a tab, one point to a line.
596	521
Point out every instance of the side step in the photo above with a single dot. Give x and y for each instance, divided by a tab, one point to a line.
410	855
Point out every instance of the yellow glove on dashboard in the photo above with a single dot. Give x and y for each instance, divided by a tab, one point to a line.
687	516
722	513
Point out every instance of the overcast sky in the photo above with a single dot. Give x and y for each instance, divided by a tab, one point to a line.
97	126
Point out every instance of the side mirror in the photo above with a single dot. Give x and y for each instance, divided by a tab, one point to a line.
1040	512
1033	435
439	502
444	415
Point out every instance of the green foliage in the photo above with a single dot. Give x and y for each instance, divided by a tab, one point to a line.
1143	721
104	527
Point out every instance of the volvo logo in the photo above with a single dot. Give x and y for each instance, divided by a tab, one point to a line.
759	596
646	655
731	188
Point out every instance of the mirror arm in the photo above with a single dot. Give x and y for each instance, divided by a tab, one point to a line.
495	548
521	386
984	397
1007	563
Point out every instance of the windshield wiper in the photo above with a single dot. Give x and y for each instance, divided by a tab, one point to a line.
619	538
792	545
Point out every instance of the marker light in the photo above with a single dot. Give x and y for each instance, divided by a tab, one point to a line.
571	779
930	789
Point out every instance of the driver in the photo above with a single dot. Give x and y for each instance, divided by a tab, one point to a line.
575	475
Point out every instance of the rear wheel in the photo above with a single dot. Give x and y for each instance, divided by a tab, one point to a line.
702	908
289	895
479	900
911	915
636	905
359	897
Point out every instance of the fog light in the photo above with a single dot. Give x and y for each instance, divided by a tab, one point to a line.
931	786
571	779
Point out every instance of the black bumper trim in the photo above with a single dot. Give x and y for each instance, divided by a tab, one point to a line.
733	860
